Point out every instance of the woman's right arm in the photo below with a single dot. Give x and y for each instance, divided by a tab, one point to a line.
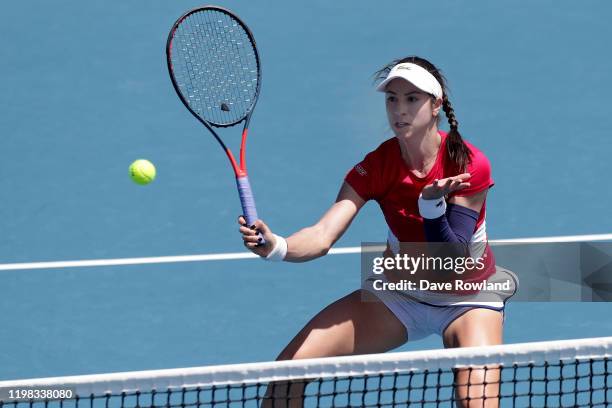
314	241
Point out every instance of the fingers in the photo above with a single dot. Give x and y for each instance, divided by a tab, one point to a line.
442	187
458	178
462	176
262	227
258	225
446	185
252	236
459	182
460	186
451	184
242	220
456	185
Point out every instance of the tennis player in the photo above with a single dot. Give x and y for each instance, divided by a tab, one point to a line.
432	187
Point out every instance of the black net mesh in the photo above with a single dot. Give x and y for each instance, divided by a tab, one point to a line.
568	383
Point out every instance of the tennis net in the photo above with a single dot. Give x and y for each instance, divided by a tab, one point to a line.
568	373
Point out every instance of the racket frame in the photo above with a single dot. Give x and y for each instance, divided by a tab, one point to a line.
239	168
242	181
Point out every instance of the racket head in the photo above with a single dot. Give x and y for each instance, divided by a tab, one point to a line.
214	65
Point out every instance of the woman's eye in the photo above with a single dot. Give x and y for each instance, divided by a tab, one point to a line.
412	99
391	99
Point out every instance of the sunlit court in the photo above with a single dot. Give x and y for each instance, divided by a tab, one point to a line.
323	204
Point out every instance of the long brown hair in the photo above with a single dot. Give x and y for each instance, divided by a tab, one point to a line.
457	151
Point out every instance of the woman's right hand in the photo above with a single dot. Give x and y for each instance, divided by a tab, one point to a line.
250	236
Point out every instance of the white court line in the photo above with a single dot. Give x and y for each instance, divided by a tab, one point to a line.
248	255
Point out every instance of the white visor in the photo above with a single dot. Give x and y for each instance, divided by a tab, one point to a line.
416	75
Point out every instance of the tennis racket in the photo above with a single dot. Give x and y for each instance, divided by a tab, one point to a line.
214	67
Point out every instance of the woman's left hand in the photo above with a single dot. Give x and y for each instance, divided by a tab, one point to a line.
442	187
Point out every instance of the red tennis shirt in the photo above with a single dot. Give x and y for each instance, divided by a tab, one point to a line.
383	176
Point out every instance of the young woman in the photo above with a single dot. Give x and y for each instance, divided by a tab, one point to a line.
432	187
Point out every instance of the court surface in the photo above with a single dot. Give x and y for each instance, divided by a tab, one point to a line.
85	91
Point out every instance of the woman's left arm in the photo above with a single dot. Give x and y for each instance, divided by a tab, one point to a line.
455	224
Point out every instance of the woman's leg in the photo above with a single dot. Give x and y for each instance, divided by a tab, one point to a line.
477	327
351	325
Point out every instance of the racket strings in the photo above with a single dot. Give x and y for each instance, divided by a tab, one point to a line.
215	66
227	42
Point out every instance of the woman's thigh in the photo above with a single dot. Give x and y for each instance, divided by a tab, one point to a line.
476	327
355	324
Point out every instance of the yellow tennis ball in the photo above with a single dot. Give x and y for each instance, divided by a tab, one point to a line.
142	172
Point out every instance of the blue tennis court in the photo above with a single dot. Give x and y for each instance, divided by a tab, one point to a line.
86	92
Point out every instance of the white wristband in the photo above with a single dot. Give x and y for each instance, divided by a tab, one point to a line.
279	251
431	209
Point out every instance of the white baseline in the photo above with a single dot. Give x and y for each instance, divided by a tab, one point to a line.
247	255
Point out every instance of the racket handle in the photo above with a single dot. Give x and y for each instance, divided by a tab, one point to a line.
248	202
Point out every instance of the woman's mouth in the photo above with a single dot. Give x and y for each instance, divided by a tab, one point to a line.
400	125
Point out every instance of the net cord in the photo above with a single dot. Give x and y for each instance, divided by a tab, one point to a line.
347	366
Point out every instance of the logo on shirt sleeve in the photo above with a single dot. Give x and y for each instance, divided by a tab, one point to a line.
359	169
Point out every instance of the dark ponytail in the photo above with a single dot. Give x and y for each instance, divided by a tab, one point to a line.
457	152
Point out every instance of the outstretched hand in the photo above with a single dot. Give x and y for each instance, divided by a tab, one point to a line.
250	236
442	187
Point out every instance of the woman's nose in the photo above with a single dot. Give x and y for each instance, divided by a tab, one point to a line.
401	109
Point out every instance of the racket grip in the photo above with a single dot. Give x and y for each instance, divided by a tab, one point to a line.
248	202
